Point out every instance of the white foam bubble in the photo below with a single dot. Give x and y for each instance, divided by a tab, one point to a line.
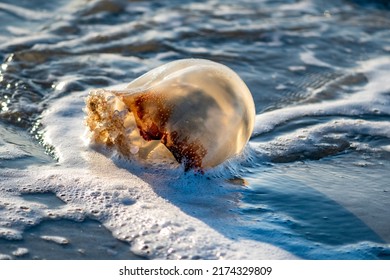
5	257
19	252
309	58
56	239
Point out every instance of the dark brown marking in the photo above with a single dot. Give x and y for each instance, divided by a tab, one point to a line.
151	114
188	153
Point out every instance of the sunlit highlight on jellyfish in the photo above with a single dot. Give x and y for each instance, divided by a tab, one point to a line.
197	111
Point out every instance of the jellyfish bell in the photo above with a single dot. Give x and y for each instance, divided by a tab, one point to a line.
197	111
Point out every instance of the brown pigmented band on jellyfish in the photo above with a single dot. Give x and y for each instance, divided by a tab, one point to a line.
198	111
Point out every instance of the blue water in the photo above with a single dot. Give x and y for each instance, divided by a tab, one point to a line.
314	180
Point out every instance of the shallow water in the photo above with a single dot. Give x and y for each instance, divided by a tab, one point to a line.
312	183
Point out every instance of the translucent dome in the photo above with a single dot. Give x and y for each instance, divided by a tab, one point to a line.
200	110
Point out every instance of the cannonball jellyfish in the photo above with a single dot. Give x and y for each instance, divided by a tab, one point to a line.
197	111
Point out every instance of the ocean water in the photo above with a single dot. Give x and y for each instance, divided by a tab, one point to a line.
312	183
